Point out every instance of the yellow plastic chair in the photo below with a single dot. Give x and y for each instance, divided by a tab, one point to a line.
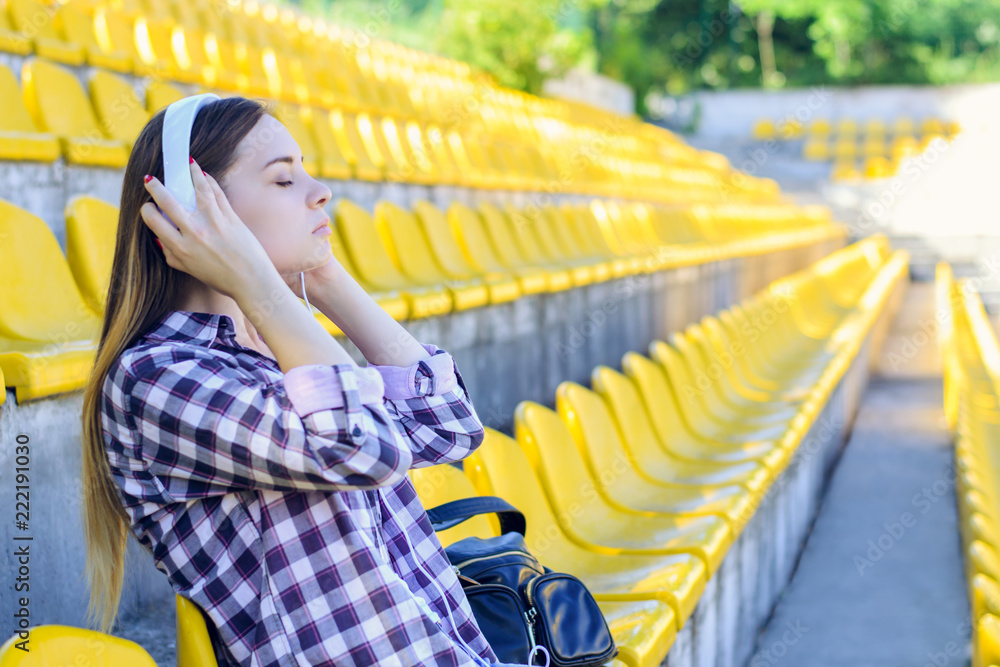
663	410
644	630
75	23
564	477
663	461
194	644
36	21
122	116
160	94
470	232
500	468
391	302
67	645
58	104
19	136
502	287
375	265
332	161
91	228
539	244
40	307
408	247
619	476
10	40
290	117
703	409
509	249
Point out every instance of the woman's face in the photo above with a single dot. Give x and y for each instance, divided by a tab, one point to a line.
277	200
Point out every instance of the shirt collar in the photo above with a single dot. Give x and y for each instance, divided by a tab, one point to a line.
194	327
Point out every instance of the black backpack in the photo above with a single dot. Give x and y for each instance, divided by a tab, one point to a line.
522	607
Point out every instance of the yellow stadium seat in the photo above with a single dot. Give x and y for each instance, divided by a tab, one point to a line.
987	638
499	467
608	526
903	125
392	302
91	228
332	162
470	233
509	249
502	287
122	116
291	118
876	167
764	129
37	22
68	645
670	425
410	251
847	126
440	484
160	94
40	307
537	242
820	127
10	40
76	24
816	149
440	152
116	33
932	125
194	644
360	151
19	136
375	265
58	104
620	475
644	630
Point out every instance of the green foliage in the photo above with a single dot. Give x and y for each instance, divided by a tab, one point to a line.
674	46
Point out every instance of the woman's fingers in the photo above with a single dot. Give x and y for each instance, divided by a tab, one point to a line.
203	191
157	222
167	204
220	197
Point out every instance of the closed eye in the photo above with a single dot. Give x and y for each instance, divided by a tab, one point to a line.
284	184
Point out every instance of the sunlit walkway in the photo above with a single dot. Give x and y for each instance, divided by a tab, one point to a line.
880	580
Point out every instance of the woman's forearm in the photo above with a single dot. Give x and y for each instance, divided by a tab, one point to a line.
291	332
380	338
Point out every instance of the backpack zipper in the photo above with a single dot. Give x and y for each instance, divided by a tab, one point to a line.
458	566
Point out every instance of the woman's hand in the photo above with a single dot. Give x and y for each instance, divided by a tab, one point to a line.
212	243
323	279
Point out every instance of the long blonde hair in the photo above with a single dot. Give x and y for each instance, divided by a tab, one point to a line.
142	289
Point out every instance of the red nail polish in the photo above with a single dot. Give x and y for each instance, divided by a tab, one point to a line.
158	243
147	178
204	172
191	159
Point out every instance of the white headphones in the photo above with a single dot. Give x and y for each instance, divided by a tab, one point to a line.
177	122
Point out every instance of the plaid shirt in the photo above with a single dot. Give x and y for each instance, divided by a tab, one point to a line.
279	502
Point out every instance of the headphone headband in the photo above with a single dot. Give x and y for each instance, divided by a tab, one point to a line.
177	123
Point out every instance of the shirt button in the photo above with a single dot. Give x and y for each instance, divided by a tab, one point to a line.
356	432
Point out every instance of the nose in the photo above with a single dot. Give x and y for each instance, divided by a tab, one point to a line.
320	195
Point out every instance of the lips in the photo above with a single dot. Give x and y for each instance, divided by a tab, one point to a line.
326	221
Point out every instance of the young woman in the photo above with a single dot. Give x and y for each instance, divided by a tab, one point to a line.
263	469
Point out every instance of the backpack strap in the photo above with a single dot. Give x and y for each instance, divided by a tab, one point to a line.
451	514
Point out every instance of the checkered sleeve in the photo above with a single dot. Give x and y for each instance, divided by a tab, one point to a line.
208	427
431	402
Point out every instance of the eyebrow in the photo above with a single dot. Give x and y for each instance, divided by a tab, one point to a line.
288	158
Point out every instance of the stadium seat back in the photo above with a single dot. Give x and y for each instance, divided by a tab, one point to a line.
66	645
440	484
401	234
91	228
122	115
365	247
40	297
